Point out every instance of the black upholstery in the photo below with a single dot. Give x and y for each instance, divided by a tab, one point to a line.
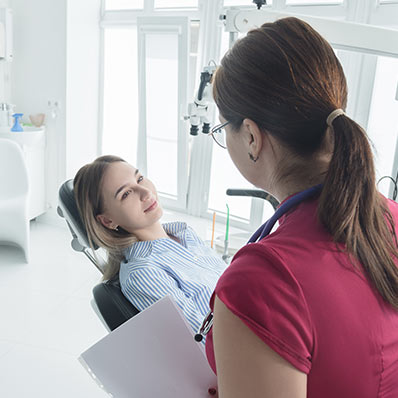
113	306
68	209
111	303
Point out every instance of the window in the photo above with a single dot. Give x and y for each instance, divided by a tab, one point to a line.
313	2
383	121
147	57
386	14
176	3
163	81
161	119
224	175
120	99
123	4
235	3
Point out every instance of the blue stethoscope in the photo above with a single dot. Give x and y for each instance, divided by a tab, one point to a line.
261	233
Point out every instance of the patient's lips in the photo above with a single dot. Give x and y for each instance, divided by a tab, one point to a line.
152	206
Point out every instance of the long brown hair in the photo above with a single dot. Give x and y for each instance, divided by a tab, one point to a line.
285	77
87	187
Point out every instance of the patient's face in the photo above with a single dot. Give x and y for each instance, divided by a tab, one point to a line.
130	199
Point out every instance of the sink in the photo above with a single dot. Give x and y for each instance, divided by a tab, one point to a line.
30	136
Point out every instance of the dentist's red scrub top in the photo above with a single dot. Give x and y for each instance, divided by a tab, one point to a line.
303	297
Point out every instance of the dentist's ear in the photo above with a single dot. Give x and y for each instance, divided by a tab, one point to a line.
254	138
106	222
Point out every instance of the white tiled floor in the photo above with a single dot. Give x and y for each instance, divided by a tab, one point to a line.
46	319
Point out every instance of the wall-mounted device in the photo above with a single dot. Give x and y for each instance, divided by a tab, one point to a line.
6	50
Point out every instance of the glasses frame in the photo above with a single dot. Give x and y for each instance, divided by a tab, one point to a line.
216	129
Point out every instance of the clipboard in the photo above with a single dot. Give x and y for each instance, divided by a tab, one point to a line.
151	355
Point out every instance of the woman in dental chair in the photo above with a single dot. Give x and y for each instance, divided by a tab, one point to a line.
121	213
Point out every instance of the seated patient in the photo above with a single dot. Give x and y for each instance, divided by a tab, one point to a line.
121	212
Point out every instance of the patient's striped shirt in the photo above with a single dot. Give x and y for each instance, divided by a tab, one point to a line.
188	271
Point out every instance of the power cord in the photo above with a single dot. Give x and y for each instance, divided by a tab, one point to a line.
395	182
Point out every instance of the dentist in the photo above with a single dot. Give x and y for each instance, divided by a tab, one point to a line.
311	309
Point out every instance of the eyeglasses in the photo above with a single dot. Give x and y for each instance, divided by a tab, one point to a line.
218	134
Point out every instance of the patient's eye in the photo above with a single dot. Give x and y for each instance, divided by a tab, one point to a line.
140	178
124	196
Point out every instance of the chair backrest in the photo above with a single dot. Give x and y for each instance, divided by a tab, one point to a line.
13	171
70	212
112	304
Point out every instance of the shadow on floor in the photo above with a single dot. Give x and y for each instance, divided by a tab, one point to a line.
11	254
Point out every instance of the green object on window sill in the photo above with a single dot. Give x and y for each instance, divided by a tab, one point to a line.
227	227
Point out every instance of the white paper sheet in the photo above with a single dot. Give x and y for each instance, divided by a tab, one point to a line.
152	355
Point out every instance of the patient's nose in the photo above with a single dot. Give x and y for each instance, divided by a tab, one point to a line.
145	193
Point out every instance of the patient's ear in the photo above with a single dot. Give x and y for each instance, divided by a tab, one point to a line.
105	221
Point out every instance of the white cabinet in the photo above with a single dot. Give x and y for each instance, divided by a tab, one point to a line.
33	143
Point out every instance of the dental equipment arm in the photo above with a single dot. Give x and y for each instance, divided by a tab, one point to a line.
198	111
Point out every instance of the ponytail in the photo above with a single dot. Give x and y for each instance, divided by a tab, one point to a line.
286	78
353	211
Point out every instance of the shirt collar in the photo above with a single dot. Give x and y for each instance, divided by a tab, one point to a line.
139	249
144	248
174	228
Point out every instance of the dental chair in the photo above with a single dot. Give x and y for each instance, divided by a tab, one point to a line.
108	302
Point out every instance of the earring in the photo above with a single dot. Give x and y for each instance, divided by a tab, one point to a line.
252	158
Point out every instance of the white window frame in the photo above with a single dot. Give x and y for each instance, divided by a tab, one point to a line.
201	154
165	25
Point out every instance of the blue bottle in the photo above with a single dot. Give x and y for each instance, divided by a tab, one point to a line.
17	126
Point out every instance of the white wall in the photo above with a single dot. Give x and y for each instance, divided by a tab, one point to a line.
39	75
56	58
5	69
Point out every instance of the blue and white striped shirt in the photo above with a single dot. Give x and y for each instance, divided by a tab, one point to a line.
188	271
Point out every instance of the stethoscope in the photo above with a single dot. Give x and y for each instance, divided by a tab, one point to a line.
261	233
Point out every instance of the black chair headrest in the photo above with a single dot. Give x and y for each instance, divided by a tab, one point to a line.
70	212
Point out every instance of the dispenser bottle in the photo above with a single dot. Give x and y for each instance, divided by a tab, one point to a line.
17	126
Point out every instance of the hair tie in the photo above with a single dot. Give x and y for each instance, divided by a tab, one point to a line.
333	115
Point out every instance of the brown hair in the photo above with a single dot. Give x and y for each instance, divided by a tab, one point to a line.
87	186
285	77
